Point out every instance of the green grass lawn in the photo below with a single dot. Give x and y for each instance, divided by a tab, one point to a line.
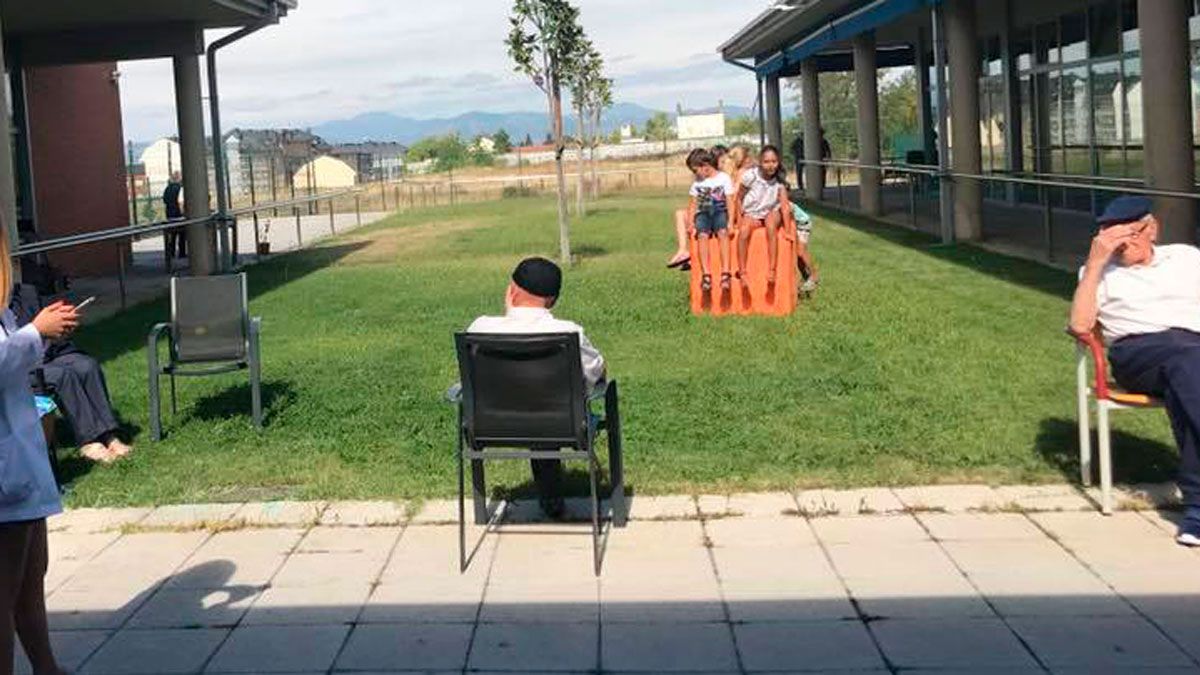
914	364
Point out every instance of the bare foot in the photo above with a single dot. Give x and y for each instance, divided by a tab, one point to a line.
118	449
97	452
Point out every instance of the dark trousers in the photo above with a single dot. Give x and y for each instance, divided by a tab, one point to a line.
77	381
1167	365
177	242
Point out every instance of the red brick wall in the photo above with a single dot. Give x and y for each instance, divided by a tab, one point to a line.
76	148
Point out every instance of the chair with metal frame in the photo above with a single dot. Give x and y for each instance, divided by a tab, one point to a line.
522	394
210	332
1109	397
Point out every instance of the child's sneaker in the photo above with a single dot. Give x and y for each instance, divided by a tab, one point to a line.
1189	530
809	285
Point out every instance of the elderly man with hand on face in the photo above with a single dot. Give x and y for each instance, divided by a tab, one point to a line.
532	293
1146	299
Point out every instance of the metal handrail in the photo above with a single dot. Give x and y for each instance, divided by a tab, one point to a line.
919	169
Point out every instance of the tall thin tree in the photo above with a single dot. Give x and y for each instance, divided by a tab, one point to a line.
583	79
600	100
545	42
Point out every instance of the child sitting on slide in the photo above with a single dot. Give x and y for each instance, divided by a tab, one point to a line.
804	259
682	256
760	200
708	214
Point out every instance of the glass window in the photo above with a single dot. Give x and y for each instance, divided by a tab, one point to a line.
1076	117
1131	116
1106	100
1194	22
992	62
1022	48
1027	124
1054	126
1046	36
1130	36
1103	34
1074	37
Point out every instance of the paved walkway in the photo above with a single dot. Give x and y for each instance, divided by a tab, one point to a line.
907	580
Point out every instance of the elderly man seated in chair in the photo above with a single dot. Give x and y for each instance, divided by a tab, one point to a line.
531	295
75	379
1146	298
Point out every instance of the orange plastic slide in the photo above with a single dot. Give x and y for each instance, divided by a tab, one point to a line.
755	296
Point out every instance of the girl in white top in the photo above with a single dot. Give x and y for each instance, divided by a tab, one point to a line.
759	201
28	493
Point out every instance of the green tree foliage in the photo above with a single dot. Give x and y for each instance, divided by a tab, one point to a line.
502	141
839	111
546	42
447	152
741	126
659	127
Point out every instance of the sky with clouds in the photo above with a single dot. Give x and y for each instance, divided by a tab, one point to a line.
333	59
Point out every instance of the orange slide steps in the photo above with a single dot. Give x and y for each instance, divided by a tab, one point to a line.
759	298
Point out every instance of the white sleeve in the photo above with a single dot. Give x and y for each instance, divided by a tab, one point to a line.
694	191
593	362
20	352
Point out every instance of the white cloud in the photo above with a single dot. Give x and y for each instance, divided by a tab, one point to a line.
332	59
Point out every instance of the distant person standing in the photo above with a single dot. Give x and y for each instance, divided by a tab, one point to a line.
798	154
176	237
826	153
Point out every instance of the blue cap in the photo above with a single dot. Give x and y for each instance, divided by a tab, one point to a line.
1125	209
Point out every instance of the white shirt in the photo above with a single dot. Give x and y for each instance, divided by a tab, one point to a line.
27	487
534	320
712	191
762	195
1151	298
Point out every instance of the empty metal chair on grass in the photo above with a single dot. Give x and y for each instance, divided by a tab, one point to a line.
1109	397
210	332
524	397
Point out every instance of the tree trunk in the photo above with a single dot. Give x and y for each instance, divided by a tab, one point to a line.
556	125
596	133
580	208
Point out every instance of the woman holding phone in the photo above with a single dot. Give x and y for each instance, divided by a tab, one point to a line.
28	493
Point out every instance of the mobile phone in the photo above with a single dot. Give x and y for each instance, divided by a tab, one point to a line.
85	303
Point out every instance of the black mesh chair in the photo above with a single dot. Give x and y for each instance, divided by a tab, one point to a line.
210	332
523	394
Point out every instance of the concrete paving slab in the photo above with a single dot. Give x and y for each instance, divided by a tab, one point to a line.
363	514
250	542
1033	556
137	561
185	516
979	527
949	498
747	604
1040	594
326	569
283	513
155	652
1184	630
927	597
279	649
659	598
195	608
821	646
309	605
541	603
437	512
901	560
1099	642
1076	526
675	507
1141	497
426	600
869	529
761	504
1044	498
90	521
760	532
661	648
406	647
374	542
868	501
70	649
951	643
92	609
528	648
774	564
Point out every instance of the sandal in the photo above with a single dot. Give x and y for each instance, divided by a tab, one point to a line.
725	283
679	261
706	282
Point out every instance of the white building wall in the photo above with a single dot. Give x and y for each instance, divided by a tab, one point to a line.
160	159
700	126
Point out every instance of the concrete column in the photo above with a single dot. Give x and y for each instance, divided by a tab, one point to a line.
1167	114
774	113
189	107
866	90
8	188
965	154
810	99
925	121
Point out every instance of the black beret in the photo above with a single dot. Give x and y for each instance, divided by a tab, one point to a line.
538	276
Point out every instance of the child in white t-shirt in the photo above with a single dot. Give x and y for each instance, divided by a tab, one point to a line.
708	214
760	199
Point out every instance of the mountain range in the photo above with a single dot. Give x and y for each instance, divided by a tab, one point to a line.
383	126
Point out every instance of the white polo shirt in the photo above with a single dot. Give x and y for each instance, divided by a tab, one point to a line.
1151	298
534	320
